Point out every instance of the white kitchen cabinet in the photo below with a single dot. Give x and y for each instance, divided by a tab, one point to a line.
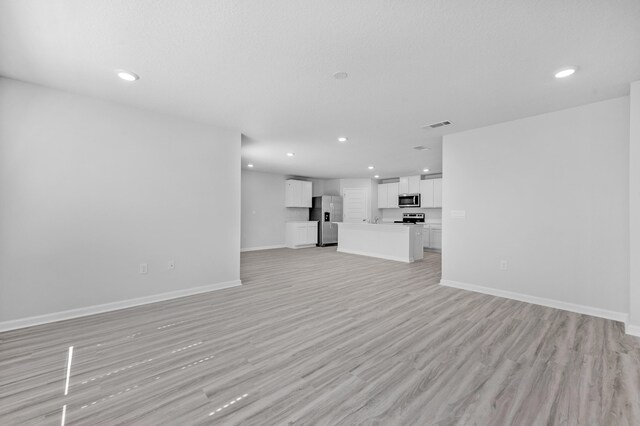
417	241
414	184
426	193
312	233
435	237
307	194
409	185
298	193
392	195
403	185
425	237
292	193
431	193
382	195
432	236
301	234
437	192
388	195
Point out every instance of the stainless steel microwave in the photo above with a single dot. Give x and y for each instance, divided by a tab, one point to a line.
409	200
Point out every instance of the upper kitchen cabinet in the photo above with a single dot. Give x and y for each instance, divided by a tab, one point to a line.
388	195
393	191
382	196
307	194
298	193
437	192
409	185
431	193
426	193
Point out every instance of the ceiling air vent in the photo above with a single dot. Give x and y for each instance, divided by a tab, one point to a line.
436	125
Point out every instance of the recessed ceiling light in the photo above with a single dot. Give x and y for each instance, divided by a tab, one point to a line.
425	170
340	75
127	75
290	154
342	139
376	176
249	165
370	167
565	72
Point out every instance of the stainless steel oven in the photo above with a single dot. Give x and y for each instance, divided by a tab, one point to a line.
409	200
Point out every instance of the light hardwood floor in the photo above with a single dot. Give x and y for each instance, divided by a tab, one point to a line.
318	337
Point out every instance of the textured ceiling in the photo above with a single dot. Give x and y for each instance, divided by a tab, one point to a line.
264	67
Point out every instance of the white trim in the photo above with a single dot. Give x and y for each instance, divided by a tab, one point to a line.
633	330
262	248
113	306
380	256
301	246
551	303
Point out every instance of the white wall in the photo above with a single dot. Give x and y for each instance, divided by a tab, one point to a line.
318	187
549	194
263	212
634	210
332	187
89	190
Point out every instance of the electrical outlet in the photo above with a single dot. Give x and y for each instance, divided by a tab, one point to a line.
143	268
171	264
504	265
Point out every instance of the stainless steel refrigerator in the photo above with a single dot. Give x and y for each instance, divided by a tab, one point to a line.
326	210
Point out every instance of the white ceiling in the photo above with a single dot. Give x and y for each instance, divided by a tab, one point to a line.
265	67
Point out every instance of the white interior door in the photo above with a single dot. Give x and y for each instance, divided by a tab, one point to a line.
355	205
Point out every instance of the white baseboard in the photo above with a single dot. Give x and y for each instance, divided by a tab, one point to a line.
113	306
551	303
262	248
362	253
633	330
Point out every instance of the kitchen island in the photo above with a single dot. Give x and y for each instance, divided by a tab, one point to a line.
390	241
